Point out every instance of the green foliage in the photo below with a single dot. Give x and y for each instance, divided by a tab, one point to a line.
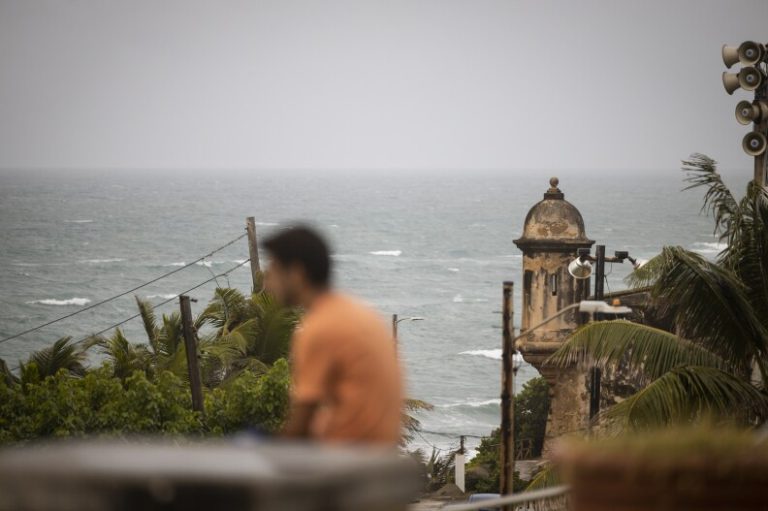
531	409
143	388
250	401
102	404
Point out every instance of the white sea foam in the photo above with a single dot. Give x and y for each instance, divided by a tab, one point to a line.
53	301
207	264
241	261
494	354
79	221
455	270
267	224
393	253
163	296
181	263
705	247
102	261
472	404
458	299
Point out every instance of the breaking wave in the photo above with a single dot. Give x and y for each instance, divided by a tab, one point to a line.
472	404
393	253
53	301
494	354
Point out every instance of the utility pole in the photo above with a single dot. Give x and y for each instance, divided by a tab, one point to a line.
253	250
190	344
596	373
761	161
507	479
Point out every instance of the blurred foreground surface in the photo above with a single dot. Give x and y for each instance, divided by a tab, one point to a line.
154	475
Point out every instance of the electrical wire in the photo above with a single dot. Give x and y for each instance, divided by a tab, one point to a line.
433	446
164	302
153	307
107	300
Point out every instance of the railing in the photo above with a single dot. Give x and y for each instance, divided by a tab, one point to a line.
548	499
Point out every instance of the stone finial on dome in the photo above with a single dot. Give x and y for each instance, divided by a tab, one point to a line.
554	192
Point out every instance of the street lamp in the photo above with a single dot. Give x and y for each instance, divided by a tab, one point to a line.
396	320
510	368
581	268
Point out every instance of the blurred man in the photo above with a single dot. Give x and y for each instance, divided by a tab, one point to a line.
346	378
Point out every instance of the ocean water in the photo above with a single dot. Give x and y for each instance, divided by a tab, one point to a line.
431	244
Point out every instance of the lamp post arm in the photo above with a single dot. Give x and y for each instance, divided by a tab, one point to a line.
547	320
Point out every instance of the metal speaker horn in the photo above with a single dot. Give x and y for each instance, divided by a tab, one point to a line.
580	269
730	82
747	112
750	78
750	53
754	144
730	55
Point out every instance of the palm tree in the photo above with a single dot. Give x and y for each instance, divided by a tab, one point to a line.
165	340
250	333
61	355
124	356
714	360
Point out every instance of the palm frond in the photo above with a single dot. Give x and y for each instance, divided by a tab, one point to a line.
225	310
62	354
718	199
276	324
125	357
545	478
708	303
687	393
642	348
6	375
748	256
148	319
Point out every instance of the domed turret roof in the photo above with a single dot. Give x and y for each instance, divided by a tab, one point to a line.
553	223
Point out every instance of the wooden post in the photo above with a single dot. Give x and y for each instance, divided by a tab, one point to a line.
507	454
191	348
394	327
253	250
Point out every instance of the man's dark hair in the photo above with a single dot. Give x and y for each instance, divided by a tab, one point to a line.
302	245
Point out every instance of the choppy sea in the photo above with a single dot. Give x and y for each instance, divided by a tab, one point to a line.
436	245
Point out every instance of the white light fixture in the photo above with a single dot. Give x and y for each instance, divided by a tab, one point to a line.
600	307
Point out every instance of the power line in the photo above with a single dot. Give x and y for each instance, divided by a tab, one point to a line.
164	302
102	302
153	307
433	446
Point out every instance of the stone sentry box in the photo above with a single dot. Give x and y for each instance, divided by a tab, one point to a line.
552	233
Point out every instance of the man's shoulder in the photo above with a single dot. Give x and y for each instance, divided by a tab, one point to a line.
338	310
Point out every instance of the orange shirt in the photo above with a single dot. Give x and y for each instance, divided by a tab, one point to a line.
344	358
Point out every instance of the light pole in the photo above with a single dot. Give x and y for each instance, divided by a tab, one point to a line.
396	320
509	370
581	268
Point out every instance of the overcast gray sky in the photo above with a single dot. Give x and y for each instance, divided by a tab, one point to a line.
361	84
